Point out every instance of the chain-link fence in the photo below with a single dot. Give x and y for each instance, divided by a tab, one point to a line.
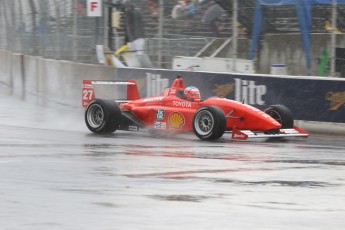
61	29
56	29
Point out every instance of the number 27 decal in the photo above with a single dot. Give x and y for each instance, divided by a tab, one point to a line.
87	94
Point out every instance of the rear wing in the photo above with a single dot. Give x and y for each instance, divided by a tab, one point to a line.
88	92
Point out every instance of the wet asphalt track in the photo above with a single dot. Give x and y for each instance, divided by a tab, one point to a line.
55	174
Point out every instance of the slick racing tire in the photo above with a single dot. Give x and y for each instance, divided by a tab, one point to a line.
281	114
103	116
209	123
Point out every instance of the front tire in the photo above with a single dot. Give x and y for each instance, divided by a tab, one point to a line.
209	123
103	116
281	114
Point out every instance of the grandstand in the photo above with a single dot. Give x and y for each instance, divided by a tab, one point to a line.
71	35
187	37
182	36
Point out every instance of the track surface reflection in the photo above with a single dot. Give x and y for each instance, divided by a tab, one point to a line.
55	174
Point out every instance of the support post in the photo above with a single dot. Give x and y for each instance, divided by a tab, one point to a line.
106	28
333	37
75	30
234	34
160	33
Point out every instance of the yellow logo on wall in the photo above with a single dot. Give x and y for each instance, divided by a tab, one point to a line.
223	90
176	120
337	99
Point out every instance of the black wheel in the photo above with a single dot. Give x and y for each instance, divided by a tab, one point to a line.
281	114
103	116
209	123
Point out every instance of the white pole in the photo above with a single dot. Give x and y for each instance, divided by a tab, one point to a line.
106	27
75	30
333	36
160	32
234	34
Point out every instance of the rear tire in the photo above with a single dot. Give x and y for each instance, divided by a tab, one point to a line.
281	114
103	116
209	123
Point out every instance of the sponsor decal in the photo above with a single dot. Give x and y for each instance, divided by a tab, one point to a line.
87	86
249	92
288	131
132	128
238	135
337	99
159	125
185	104
152	99
160	114
176	120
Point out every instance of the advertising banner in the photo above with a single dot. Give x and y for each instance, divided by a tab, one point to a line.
309	98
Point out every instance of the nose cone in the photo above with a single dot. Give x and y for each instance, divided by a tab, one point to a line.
257	120
266	122
243	116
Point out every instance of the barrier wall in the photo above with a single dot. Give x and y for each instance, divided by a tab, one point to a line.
309	98
47	81
59	83
5	71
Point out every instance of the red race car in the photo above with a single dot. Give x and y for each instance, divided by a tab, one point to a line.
180	109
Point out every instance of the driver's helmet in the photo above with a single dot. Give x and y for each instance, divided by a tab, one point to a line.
192	93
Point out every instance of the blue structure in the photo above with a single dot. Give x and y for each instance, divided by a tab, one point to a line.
303	8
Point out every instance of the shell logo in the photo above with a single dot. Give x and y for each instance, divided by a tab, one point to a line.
176	120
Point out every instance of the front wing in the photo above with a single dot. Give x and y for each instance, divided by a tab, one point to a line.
248	134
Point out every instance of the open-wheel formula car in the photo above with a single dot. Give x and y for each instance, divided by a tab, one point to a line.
179	109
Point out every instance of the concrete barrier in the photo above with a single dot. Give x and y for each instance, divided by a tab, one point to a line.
17	75
31	90
47	81
5	71
316	127
61	81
